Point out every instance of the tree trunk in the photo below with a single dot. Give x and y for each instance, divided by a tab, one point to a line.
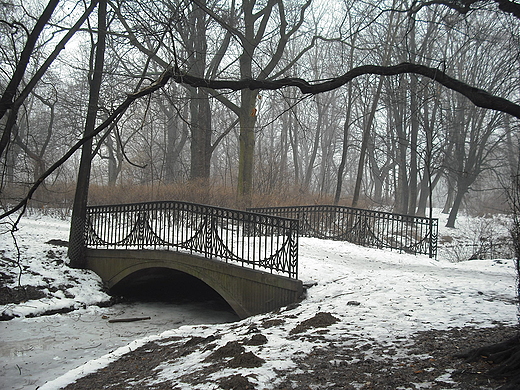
293	139
247	147
79	209
364	144
423	194
315	146
114	161
176	135
414	132
284	150
201	131
346	127
427	186
343	162
390	38
402	194
414	124
462	188
379	174
449	197
200	108
247	110
512	151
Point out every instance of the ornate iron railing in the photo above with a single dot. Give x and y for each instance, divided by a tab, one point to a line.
406	233
244	238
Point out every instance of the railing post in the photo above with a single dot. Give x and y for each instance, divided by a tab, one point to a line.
293	250
433	239
141	220
208	235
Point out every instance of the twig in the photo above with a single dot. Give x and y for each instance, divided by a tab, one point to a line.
132	319
18	254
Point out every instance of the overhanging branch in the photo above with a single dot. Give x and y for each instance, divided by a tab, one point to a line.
479	97
465	6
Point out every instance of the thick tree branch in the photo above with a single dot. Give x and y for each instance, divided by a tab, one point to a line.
464	6
510	7
478	96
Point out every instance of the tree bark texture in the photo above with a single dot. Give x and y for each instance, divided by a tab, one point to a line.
79	208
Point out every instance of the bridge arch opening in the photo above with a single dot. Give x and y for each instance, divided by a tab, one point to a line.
160	284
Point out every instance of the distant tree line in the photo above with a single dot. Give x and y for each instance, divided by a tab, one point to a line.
267	95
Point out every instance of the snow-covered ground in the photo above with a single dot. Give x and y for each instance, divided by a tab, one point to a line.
375	294
35	349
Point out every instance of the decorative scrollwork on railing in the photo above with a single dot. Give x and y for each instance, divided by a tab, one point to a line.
243	238
406	233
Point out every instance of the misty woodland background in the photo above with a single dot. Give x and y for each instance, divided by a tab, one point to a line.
387	142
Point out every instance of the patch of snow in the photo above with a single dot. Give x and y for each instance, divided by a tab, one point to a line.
446	377
35	349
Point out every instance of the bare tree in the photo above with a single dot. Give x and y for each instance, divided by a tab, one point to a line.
12	100
185	77
79	210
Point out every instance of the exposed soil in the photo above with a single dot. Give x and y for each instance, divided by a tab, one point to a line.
320	320
427	360
434	365
16	294
20	294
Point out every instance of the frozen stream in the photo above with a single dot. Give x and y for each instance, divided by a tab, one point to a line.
36	350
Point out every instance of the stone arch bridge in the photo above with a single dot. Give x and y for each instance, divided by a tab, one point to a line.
250	259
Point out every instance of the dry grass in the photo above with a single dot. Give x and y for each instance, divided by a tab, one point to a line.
56	196
196	192
205	192
61	196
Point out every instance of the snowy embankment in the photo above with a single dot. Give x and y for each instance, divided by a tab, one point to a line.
373	295
43	268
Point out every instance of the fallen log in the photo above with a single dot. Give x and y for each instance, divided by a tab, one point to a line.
132	319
